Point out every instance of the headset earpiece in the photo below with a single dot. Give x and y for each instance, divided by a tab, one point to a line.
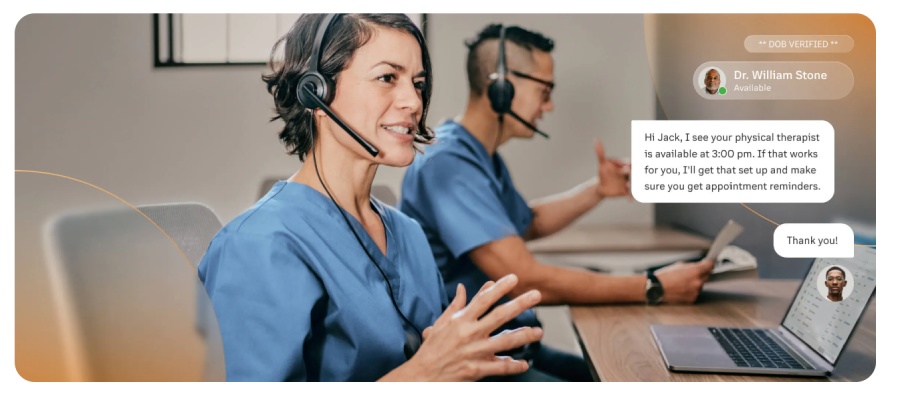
318	85
315	81
501	91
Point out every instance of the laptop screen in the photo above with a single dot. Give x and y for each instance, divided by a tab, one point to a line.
831	300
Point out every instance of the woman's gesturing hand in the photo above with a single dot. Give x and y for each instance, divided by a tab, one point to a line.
458	346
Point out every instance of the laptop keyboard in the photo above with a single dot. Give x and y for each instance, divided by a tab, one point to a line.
753	348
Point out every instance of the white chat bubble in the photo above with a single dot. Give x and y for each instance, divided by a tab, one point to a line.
813	240
732	161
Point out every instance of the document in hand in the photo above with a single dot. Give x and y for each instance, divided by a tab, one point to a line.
731	261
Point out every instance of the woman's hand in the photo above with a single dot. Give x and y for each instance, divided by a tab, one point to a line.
458	346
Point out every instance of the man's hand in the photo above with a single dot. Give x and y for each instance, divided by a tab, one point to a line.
615	175
681	282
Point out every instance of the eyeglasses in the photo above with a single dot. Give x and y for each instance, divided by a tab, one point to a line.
549	85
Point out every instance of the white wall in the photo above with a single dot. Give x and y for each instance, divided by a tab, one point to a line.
90	105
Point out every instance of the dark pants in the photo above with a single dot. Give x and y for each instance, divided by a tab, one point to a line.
551	365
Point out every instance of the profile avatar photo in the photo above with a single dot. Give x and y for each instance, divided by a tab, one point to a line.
835	281
711	81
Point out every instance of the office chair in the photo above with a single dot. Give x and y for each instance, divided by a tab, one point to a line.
192	226
131	306
385	194
267	185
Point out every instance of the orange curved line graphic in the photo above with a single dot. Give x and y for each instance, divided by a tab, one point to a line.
757	213
776	224
190	264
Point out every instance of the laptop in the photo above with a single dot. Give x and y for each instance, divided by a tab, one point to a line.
809	340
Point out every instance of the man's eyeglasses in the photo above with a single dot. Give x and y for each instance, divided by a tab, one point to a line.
549	85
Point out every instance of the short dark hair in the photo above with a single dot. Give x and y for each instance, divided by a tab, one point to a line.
844	274
476	68
347	34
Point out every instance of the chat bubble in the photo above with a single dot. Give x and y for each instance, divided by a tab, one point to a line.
732	161
813	240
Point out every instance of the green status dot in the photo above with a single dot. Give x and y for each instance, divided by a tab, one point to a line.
722	90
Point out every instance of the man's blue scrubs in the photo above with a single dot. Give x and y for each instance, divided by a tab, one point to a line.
463	199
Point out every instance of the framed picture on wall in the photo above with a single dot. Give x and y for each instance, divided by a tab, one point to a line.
222	39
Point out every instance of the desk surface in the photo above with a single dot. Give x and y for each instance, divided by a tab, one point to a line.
618	237
618	343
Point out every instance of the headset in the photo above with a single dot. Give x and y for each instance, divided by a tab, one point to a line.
501	91
316	91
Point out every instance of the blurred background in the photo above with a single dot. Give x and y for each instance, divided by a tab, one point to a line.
101	294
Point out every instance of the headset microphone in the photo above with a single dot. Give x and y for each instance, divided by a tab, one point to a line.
501	91
528	124
321	105
316	91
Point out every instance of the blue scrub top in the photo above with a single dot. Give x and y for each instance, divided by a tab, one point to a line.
297	299
464	198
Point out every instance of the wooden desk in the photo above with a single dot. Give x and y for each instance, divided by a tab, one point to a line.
618	238
618	248
617	341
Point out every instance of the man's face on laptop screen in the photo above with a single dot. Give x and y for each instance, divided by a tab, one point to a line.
835	282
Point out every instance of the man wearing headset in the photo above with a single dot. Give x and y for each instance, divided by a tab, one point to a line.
476	221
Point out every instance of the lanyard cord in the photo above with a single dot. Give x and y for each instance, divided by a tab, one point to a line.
359	240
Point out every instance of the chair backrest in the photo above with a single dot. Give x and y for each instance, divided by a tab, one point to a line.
130	302
384	194
267	185
192	226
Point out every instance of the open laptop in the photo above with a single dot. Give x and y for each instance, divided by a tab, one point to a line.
808	342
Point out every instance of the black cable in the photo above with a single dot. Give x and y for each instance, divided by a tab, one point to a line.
363	246
499	132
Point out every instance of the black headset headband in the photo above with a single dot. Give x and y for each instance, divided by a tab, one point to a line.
317	45
501	91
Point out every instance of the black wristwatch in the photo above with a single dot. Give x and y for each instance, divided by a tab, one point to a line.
654	292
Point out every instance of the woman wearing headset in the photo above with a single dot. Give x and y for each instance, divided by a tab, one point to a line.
319	282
